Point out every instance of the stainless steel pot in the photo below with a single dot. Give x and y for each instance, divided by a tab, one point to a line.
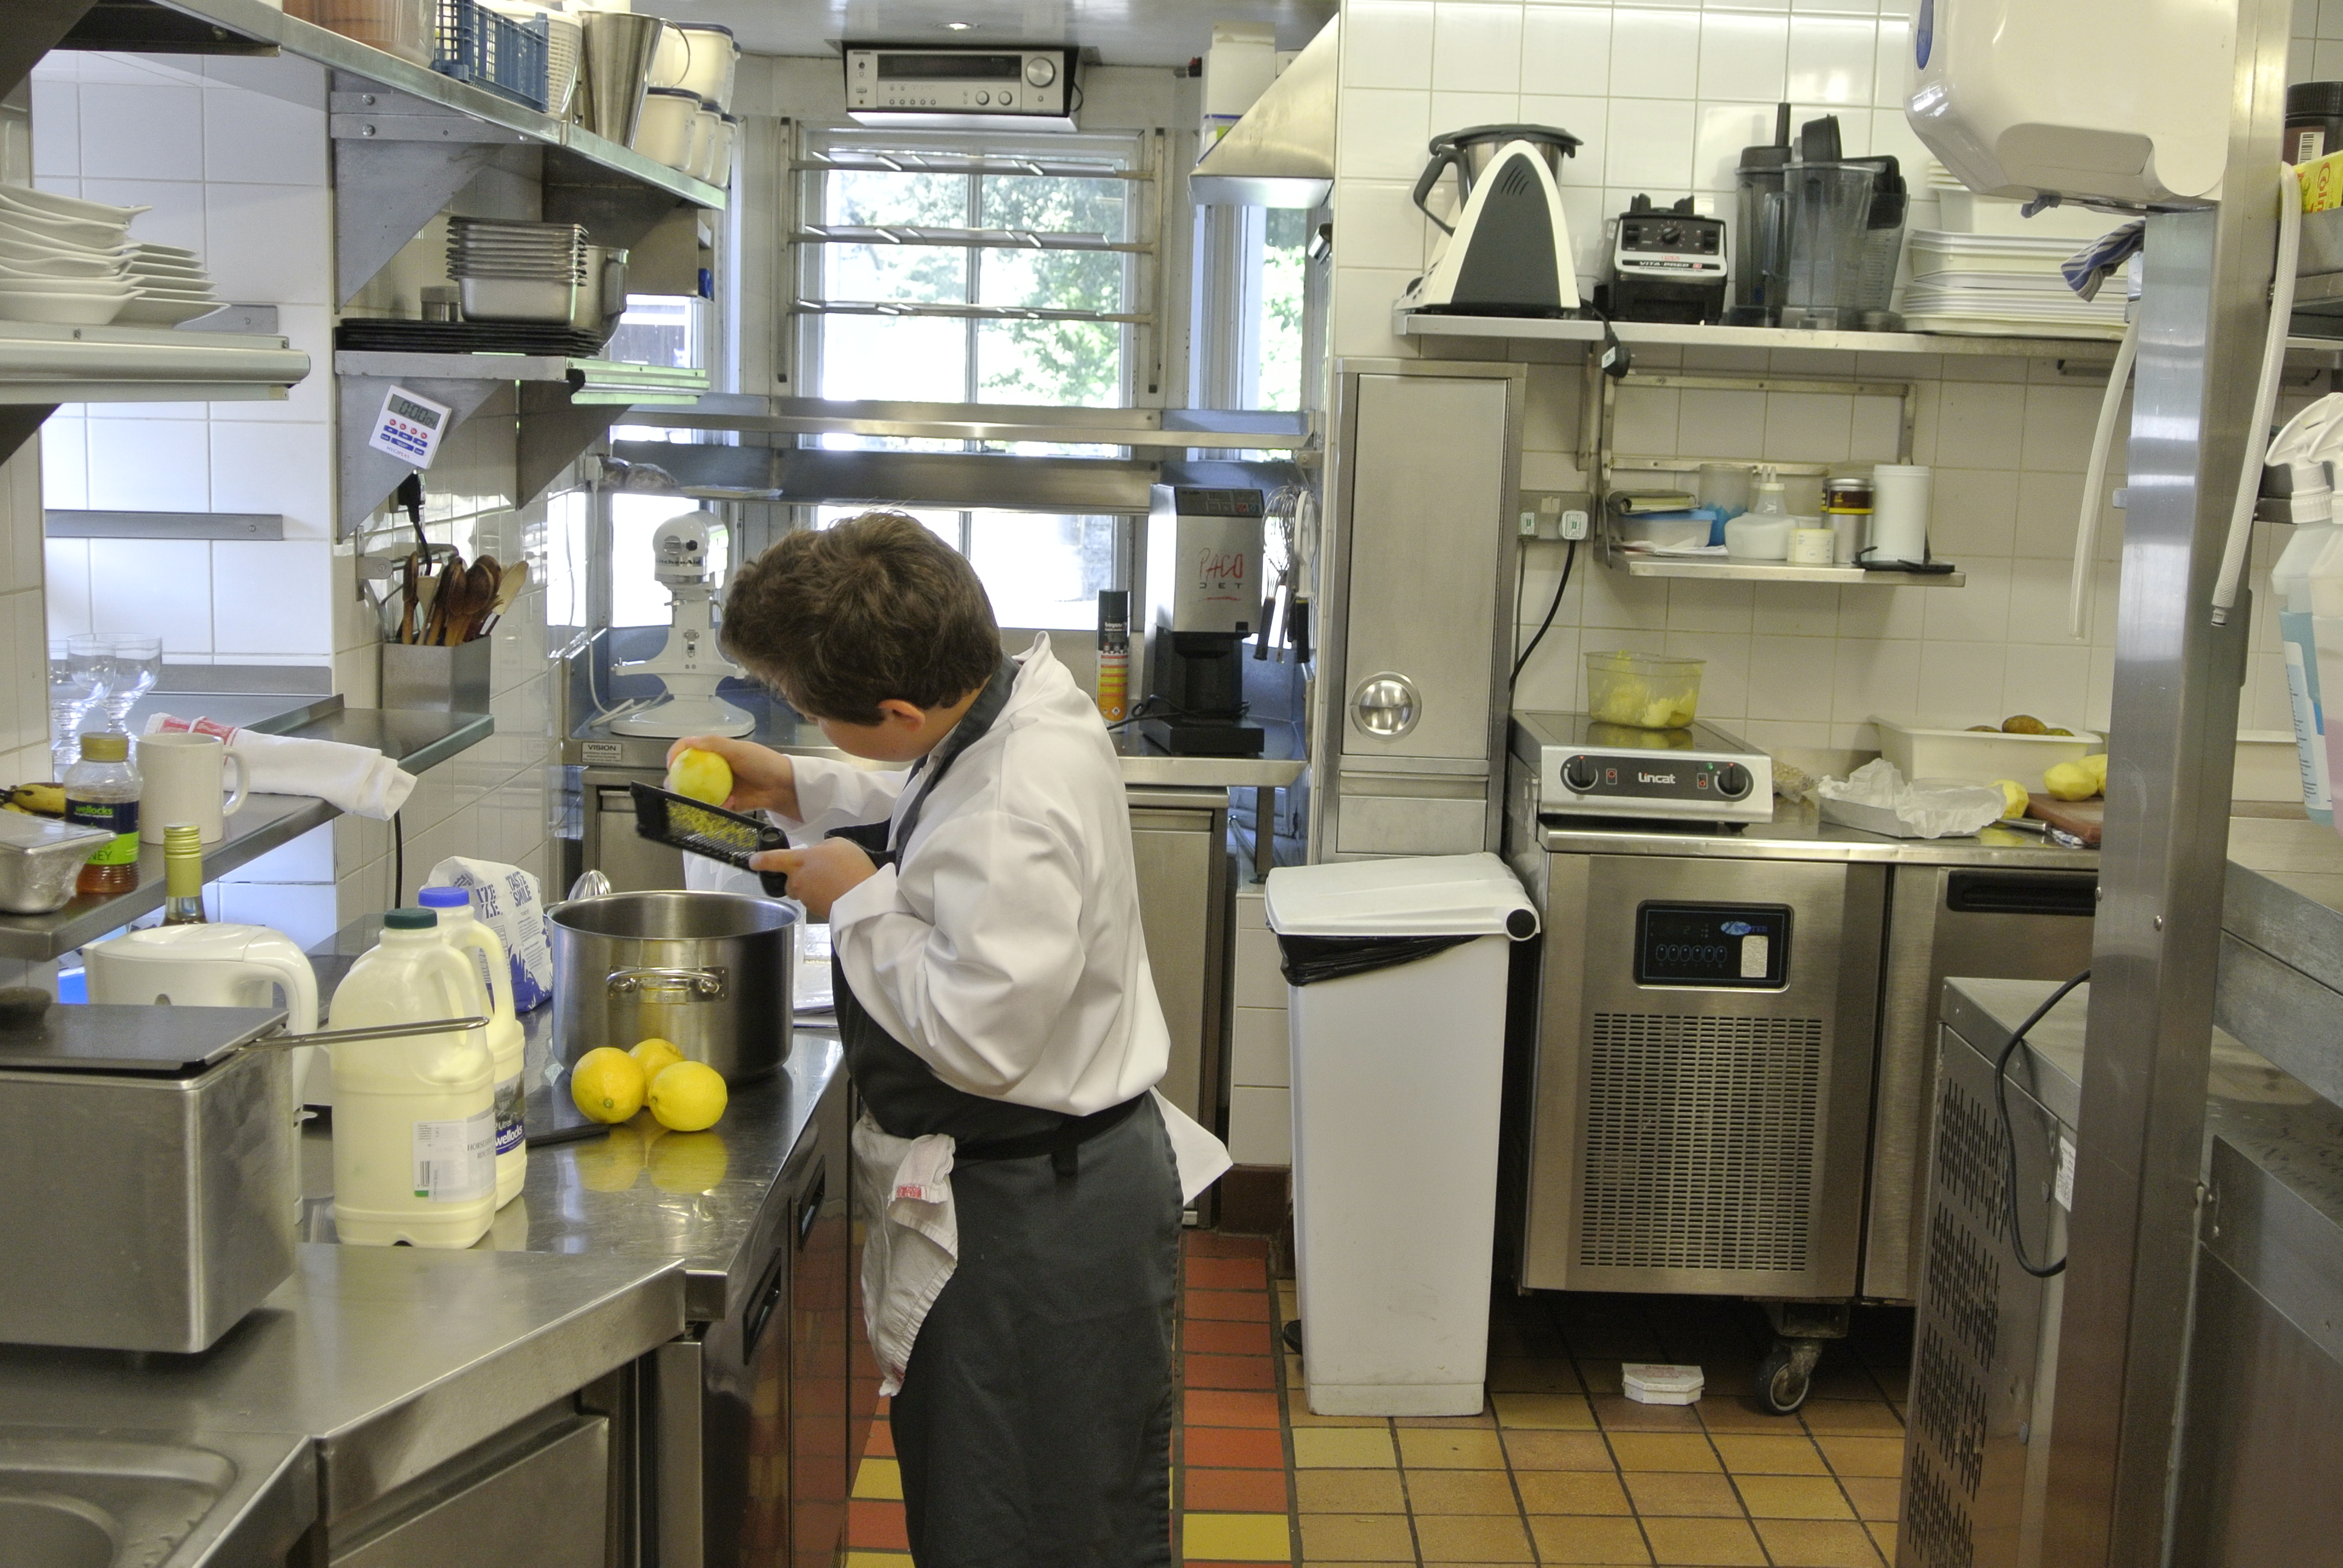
710	971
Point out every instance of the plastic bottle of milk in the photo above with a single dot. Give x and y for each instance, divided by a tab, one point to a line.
2290	586
415	1117
463	931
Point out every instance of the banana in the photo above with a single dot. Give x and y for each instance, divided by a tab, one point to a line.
38	800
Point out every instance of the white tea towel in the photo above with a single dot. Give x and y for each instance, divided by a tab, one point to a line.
908	1259
358	779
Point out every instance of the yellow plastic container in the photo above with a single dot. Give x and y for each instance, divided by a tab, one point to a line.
1642	690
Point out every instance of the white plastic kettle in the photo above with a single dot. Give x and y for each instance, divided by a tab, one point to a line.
215	966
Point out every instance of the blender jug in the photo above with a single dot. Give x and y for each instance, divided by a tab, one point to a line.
1761	251
1827	213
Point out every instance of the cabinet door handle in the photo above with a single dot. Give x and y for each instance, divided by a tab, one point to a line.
1386	706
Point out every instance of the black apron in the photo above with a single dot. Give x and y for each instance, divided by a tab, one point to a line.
1034	1423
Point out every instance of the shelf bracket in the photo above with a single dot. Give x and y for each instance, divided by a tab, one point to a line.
553	432
397	163
34	27
366	475
19	423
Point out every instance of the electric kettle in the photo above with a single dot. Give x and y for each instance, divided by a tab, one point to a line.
215	966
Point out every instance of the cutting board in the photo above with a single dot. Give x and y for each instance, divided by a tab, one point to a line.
2083	819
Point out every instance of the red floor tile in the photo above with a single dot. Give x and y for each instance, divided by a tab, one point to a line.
1228	1371
1212	1244
1226	1306
1230	1339
1228	1273
1233	1448
1235	1491
882	1439
1230	1407
880	1526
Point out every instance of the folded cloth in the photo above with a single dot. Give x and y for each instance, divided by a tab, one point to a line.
2090	267
910	1255
358	779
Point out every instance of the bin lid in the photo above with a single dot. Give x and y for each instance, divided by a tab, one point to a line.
1416	896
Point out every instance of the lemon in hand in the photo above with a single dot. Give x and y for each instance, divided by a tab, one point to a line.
700	776
655	1056
688	1095
608	1084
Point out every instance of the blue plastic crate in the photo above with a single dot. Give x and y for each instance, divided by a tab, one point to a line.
476	45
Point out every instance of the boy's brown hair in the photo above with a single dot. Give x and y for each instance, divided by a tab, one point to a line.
872	608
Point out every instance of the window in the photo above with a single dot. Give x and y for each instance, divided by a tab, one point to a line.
1249	305
1042	572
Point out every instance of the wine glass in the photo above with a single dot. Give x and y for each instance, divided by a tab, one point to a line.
74	685
136	664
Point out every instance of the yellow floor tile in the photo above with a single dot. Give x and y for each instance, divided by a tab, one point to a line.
1884	1537
1850	1418
1543	1412
1703	1542
1880	1456
1662	1451
1697	1495
1356	1538
1486	1418
1724	1413
878	1560
1451	1448
1557	1450
1577	1540
1299	1413
1235	1538
878	1480
1745	1454
1471	1538
1818	1544
1530	1374
1461	1492
1570	1491
1794	1497
1348	1492
1342	1448
1874	1497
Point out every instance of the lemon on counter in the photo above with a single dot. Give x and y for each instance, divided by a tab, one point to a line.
700	776
608	1084
2014	797
688	1097
655	1056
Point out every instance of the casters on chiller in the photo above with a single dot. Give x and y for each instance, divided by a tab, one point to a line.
1786	1375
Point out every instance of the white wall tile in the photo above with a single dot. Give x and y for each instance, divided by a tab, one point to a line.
1961	683
1724	424
1650	52
1588	120
1808	427
153	588
1873	677
65	461
1978	612
66	569
177	208
2050	680
2330	19
1978	426
1791	676
272	597
1476	47
56	129
308	914
1259	1055
1719	133
1360	320
1831	59
1743	56
269	243
1387	43
1894	67
281	467
1380	226
1650	146
1566	50
1383	133
256	136
149	465
1261	1127
153	132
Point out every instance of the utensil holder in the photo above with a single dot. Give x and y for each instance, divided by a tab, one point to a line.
437	680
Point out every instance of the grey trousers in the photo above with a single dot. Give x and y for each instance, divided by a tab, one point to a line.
1034	1424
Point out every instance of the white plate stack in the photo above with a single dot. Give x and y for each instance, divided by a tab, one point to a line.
516	271
2002	285
69	262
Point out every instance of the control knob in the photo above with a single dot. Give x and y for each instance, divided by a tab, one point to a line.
1578	775
1732	781
1041	71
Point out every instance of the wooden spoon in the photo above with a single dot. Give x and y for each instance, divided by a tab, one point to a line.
479	592
448	586
509	589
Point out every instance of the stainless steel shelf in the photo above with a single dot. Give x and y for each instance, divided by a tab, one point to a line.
604	374
42	364
1184	430
1731	571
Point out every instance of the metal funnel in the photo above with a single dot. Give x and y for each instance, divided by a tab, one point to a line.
618	49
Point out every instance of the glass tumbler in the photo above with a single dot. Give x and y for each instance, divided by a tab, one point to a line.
135	664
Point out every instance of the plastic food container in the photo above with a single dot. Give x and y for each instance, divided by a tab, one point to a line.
1642	690
1936	750
39	860
1662	530
663	134
1751	538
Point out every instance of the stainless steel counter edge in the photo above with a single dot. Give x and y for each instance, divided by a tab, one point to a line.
414	739
1799	837
1190	772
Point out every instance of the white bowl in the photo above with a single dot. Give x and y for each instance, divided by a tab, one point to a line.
146	312
94	287
62	309
72	208
65	231
60	268
30	233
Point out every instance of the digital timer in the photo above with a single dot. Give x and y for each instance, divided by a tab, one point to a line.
409	427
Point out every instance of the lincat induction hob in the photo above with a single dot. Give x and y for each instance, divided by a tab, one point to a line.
1586	767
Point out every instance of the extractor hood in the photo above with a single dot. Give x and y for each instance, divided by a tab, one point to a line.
1282	151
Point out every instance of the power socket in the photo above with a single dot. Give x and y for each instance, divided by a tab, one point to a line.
1574	524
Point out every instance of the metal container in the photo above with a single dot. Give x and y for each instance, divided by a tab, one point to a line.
168	1181
707	972
437	680
39	860
519	298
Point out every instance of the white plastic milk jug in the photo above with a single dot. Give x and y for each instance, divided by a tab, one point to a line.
414	1118
471	937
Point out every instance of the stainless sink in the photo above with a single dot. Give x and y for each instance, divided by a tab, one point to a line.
73	1500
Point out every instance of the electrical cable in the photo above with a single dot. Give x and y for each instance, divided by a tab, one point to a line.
2009	1137
1569	559
397	861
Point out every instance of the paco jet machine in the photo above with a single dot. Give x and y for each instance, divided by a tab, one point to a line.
688	663
1199	578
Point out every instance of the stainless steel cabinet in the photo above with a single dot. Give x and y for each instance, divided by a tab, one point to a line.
535	1501
1179	841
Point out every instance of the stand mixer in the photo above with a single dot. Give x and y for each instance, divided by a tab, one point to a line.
689	662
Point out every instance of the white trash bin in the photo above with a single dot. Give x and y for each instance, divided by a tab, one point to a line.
1397	1028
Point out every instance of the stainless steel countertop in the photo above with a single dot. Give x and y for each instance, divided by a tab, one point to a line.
1795	833
390	1359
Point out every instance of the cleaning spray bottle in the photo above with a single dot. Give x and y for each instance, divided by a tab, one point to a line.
2309	442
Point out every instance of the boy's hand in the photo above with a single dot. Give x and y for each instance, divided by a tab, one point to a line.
821	875
763	779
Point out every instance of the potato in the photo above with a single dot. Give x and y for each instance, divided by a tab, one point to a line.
2023	724
2071	781
2014	797
2098	763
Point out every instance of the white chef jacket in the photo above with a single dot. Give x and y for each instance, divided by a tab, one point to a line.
1005	948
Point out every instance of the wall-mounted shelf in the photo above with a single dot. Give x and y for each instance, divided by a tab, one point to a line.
565	405
42	365
1191	429
1636	564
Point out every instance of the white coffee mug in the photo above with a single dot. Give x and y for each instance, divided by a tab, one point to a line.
183	780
